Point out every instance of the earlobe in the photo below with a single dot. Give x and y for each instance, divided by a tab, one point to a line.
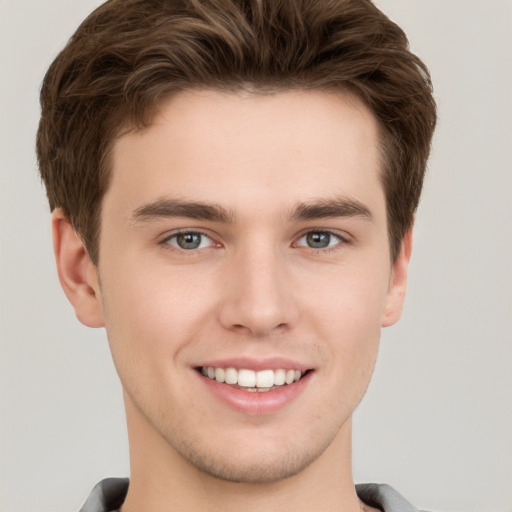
77	274
398	283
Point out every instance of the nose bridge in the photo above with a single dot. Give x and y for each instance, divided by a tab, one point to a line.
260	297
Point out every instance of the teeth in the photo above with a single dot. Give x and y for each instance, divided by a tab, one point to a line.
246	378
279	377
251	380
264	379
220	374
231	376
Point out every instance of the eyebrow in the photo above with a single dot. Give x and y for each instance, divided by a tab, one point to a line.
319	209
325	208
165	208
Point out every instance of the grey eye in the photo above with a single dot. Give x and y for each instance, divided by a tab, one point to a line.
190	241
318	240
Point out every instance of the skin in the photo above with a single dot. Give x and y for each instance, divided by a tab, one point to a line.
254	288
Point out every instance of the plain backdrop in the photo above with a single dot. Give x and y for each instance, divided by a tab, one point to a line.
437	420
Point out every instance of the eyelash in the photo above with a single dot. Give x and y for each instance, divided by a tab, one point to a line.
165	242
343	241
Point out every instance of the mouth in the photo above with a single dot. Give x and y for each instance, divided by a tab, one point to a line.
255	387
253	381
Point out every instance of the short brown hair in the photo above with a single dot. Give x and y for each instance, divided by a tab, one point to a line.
129	54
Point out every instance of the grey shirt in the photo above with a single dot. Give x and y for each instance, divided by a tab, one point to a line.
110	493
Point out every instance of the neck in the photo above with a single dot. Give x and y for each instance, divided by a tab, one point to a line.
161	480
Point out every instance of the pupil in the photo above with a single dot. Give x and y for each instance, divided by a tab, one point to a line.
189	240
318	240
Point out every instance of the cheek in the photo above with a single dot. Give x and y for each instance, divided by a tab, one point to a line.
351	299
151	298
349	317
156	317
150	317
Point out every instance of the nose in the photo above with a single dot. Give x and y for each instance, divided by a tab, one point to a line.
258	296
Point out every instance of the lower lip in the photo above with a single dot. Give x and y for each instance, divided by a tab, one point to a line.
257	403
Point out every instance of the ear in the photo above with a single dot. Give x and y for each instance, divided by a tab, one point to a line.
77	274
398	283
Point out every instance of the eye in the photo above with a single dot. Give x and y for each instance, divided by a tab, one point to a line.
319	240
189	240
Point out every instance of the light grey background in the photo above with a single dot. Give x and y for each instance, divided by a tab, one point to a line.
437	420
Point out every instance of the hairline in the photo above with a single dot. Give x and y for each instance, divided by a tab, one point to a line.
147	120
148	117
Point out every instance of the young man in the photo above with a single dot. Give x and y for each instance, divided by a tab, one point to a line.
233	185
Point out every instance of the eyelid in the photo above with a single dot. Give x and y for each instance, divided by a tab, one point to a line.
343	237
164	241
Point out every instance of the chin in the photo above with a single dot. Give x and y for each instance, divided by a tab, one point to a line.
251	472
258	463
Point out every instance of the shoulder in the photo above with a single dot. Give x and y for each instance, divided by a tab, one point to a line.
106	496
384	497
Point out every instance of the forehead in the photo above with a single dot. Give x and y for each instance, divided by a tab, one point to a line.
230	147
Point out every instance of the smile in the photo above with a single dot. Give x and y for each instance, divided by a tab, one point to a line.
255	387
253	381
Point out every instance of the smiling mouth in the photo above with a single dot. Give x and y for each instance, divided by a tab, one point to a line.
253	381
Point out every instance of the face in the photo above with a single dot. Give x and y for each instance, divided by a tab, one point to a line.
244	239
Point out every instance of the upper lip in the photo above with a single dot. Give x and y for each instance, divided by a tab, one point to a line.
269	363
